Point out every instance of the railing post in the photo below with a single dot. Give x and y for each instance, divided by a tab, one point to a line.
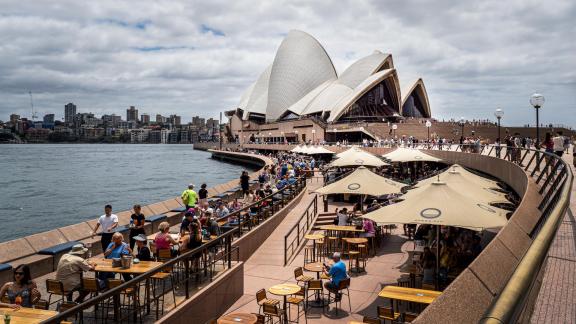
285	250
187	278
298	233
229	247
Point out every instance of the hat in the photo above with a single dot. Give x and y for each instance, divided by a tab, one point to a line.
191	185
78	249
209	211
140	237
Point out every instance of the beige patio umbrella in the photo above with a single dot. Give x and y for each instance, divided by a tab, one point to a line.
402	154
357	157
297	149
440	203
465	182
318	150
351	150
362	182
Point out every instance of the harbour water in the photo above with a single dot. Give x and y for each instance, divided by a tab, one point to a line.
47	186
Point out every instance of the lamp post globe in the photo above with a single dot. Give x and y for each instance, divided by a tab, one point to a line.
394	127
537	101
499	113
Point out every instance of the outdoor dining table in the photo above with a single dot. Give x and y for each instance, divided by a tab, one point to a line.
414	295
284	290
105	265
314	237
317	267
356	241
27	315
234	318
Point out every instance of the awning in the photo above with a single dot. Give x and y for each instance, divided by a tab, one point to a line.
402	154
356	157
362	182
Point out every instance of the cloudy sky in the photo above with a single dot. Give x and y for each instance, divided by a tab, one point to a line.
196	58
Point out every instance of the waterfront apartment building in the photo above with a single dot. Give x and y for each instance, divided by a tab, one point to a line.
145	119
48	121
132	114
14	118
175	120
139	135
69	113
111	120
160	119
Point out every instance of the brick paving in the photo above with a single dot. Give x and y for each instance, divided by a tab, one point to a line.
556	301
266	268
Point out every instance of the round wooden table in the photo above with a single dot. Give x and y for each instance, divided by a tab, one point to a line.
314	237
314	267
356	241
284	290
234	318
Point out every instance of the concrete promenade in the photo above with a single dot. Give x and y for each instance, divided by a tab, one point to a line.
266	268
556	302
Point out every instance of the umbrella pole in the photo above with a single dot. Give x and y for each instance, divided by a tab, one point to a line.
437	257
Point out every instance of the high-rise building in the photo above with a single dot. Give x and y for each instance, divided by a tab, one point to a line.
211	123
111	120
145	119
200	122
69	113
48	119
175	120
132	114
160	119
14	118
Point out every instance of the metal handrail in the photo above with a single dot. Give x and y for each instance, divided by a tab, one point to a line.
225	238
300	230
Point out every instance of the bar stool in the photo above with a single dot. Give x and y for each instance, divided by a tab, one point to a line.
363	257
320	249
331	244
297	299
387	314
308	254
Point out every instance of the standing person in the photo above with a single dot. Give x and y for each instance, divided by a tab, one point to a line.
22	291
108	222
137	222
245	182
189	197
558	141
70	269
203	194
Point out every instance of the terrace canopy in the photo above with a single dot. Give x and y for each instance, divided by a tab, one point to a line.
402	154
297	149
467	183
357	157
312	150
362	182
440	203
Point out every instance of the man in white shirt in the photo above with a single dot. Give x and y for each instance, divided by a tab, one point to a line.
342	217
108	222
558	141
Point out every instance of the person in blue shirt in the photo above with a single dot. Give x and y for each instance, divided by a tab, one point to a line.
116	249
337	273
291	180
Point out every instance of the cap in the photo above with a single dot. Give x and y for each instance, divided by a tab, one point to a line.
209	211
140	237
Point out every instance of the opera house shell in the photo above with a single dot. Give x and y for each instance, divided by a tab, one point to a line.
302	81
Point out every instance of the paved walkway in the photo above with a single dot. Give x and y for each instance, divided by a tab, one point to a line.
556	302
265	268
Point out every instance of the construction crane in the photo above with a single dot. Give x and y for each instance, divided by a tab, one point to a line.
34	114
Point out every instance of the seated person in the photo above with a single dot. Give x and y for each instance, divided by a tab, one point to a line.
268	190
188	218
116	249
282	183
222	211
213	227
336	272
368	227
428	264
235	205
143	252
163	240
70	269
22	292
292	180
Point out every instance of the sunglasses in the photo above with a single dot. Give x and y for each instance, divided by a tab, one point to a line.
19	273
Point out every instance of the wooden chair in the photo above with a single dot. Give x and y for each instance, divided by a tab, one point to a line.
342	285
297	299
66	306
130	293
167	274
262	299
387	314
55	287
260	319
91	285
271	311
409	317
300	277
314	287
40	304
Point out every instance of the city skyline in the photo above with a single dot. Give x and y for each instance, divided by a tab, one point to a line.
196	59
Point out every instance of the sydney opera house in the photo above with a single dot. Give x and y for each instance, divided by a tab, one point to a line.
301	97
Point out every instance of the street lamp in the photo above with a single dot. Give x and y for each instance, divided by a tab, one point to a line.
461	130
283	138
428	125
270	137
394	127
537	101
499	113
